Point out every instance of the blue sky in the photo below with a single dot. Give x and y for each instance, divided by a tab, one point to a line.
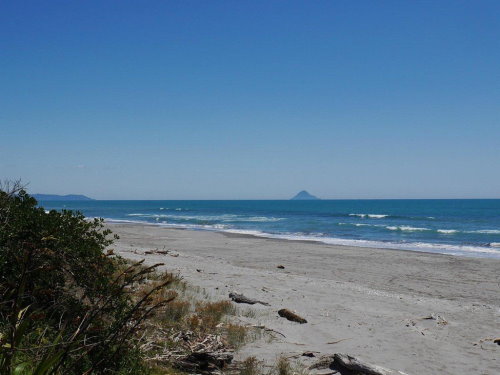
251	99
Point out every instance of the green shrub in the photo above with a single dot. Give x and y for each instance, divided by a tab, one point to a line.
66	307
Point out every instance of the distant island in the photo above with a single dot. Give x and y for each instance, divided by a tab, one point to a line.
303	196
55	197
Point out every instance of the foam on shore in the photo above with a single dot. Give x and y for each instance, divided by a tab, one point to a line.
489	250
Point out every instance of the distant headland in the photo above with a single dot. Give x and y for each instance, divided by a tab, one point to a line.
55	197
303	196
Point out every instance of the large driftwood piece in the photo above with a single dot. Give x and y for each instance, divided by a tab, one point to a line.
204	362
285	313
240	298
324	362
345	364
360	367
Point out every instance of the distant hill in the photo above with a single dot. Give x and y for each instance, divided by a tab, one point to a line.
303	196
54	197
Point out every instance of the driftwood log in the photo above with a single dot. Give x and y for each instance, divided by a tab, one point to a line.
324	362
204	362
354	364
240	298
285	313
346	364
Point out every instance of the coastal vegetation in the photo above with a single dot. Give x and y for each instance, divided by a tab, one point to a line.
70	305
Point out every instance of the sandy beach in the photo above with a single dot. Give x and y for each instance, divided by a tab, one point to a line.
370	303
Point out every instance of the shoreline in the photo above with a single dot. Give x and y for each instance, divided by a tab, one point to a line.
432	248
377	302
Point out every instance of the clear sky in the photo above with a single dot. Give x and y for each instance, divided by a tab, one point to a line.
251	99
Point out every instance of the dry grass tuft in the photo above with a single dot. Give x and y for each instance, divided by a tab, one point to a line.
210	314
176	311
284	367
189	323
236	335
251	366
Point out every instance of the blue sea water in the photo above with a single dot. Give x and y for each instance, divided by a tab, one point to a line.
458	227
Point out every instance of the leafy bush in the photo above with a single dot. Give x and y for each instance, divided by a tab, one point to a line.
66	307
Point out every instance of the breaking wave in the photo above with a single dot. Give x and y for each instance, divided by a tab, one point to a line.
371	216
209	218
407	228
485	231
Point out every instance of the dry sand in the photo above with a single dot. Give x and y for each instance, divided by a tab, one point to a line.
372	299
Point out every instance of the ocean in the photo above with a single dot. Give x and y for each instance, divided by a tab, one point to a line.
465	227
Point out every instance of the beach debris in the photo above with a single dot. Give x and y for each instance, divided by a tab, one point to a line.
156	251
337	341
309	354
268	329
205	362
198	270
240	298
358	366
285	313
487	339
324	362
326	372
194	352
347	364
281	267
438	318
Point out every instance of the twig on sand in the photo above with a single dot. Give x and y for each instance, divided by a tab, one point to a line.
336	342
268	330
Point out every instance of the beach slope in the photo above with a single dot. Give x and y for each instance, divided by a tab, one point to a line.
415	312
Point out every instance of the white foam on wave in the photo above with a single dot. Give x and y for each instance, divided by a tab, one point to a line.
461	250
225	217
359	224
447	231
402	228
262	219
407	228
163	223
486	231
371	216
209	227
126	221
